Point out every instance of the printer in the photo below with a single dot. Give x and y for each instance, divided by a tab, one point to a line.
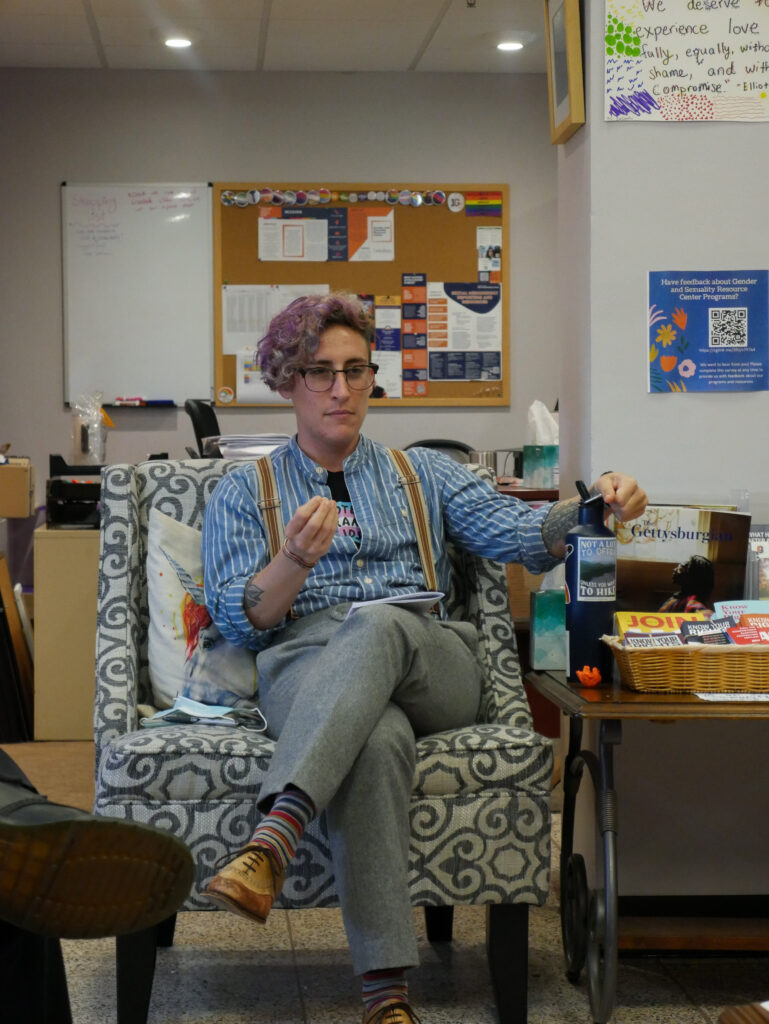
72	495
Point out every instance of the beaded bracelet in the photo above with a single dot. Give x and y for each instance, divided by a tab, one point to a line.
295	558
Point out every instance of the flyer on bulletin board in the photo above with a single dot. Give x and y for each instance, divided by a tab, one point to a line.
708	330
464	331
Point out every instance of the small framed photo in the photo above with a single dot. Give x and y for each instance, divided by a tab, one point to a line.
565	89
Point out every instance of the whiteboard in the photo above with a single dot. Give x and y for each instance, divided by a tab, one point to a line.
138	291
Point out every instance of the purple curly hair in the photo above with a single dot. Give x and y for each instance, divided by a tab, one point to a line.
294	334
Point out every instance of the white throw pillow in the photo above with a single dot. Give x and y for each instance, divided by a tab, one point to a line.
187	653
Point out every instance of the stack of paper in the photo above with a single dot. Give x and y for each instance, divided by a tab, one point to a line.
249	446
422	601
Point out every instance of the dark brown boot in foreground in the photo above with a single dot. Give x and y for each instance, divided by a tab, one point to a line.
67	874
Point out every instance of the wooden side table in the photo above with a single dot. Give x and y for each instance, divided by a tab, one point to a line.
589	919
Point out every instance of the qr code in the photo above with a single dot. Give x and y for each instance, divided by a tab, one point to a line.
728	327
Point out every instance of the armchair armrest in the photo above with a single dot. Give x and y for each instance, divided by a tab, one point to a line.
118	654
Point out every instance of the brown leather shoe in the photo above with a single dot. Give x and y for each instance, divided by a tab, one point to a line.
393	1011
248	885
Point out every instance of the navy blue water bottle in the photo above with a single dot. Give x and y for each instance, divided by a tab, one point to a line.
591	590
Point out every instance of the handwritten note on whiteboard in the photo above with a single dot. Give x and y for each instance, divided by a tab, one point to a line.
137	264
687	60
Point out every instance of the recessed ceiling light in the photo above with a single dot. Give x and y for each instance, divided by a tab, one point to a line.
509	46
178	43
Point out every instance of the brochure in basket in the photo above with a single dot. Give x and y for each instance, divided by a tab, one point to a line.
653	622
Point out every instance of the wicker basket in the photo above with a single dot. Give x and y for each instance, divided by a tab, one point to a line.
693	668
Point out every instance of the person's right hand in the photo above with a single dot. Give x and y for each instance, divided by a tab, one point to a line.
311	529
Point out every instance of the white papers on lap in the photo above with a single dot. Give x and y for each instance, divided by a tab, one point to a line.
422	601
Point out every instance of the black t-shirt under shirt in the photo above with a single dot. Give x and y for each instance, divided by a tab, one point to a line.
348	524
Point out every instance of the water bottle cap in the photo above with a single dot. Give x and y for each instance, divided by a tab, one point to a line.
588	500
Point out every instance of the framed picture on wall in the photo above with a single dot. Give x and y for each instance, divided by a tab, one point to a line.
564	68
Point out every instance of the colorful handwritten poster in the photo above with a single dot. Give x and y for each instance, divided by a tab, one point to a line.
687	60
708	330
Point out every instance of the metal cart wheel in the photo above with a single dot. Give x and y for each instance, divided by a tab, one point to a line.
574	916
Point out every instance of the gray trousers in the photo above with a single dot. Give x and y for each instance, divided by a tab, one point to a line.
345	699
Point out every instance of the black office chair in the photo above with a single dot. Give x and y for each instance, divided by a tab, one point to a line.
204	423
456	449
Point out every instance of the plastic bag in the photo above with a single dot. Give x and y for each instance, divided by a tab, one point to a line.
89	430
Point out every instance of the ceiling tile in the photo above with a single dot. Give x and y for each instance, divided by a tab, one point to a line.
227	10
345	11
36	30
205	33
323	45
72	8
466	39
301	35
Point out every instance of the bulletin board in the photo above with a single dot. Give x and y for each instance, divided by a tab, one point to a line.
137	267
428	235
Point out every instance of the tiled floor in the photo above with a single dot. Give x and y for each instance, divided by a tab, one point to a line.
225	970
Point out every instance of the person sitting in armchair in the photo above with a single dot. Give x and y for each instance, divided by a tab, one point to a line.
346	697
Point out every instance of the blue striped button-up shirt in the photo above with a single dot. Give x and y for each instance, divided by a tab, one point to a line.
462	508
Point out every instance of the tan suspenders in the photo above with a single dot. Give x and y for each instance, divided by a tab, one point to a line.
412	484
269	503
270	506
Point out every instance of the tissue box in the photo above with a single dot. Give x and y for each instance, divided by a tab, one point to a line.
540	465
17	489
548	629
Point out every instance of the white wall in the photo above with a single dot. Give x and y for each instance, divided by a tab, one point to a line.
656	196
91	126
634	198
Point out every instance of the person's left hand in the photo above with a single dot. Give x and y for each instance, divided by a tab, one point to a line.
622	494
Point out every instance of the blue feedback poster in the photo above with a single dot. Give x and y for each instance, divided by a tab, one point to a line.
708	330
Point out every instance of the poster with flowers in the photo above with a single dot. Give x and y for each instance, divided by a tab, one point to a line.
708	330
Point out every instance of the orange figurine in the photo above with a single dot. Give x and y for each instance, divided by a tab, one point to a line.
589	676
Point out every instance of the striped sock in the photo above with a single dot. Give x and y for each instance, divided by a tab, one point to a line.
281	829
381	985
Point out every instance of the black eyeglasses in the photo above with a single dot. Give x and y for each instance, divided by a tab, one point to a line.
321	378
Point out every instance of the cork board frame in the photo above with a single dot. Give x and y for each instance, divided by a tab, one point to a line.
431	240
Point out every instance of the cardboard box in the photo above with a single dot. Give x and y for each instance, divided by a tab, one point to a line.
17	489
520	584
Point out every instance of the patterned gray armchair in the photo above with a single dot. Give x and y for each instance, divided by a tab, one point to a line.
480	808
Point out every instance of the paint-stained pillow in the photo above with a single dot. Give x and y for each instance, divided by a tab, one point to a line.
187	653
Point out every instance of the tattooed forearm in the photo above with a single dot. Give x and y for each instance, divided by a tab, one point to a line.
252	595
561	518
